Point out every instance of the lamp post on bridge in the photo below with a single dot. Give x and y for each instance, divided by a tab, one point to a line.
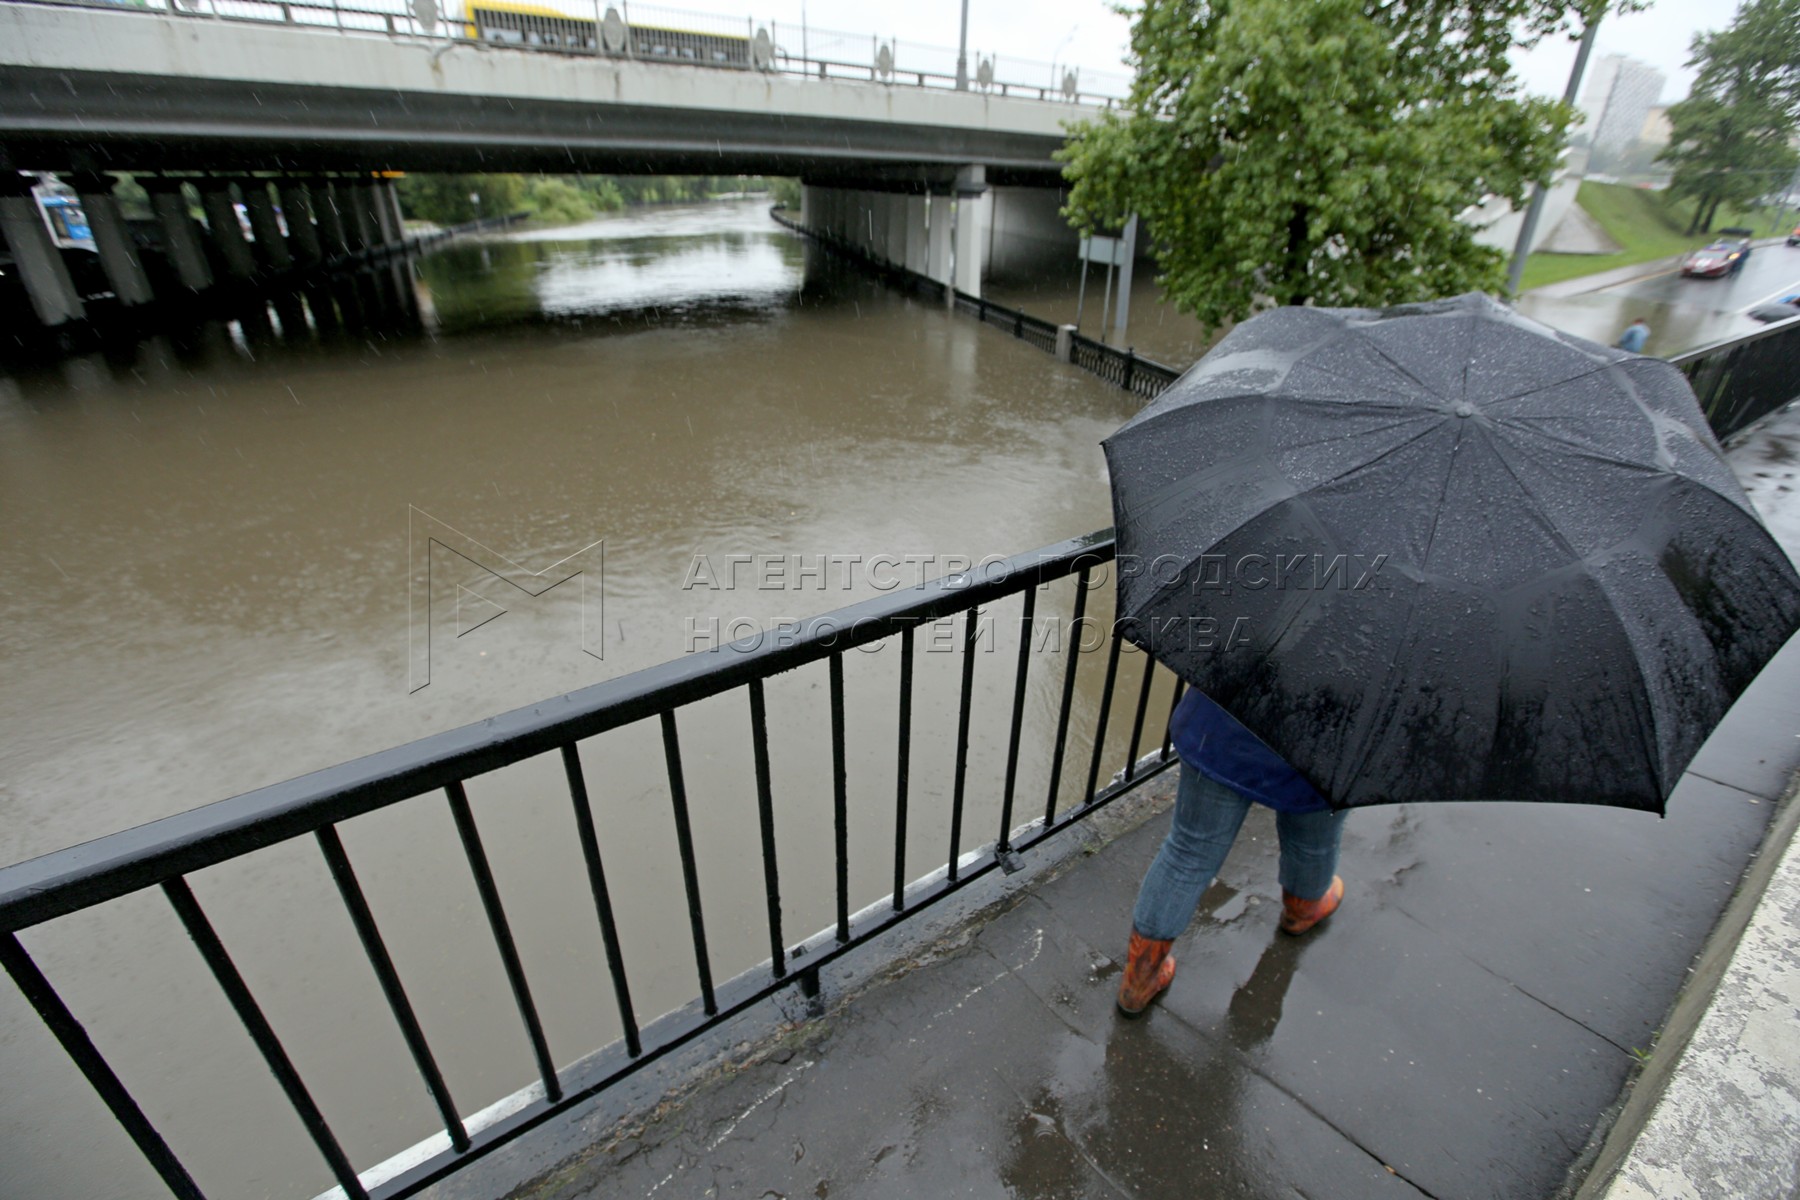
962	52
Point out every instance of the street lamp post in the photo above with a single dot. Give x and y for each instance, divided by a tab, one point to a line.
962	52
1535	211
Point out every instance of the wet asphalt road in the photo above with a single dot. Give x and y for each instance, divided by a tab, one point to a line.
1683	313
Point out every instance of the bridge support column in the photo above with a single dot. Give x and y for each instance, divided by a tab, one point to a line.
368	217
917	246
328	207
859	219
358	237
181	239
896	229
875	205
974	216
271	247
390	192
1029	232
303	235
222	225
937	251
383	212
875	224
836	210
118	257
46	278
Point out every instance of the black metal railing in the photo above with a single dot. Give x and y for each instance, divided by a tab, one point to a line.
165	853
1743	379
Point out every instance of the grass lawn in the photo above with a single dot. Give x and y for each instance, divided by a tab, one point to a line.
1641	221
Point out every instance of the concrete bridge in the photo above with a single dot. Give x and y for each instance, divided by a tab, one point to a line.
254	104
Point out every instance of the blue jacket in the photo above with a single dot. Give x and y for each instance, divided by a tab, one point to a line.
1633	338
1214	743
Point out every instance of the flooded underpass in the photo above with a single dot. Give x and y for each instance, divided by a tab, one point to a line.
254	550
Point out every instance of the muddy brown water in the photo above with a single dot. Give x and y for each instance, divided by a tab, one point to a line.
219	551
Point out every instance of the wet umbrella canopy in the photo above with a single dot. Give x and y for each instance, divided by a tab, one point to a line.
1443	552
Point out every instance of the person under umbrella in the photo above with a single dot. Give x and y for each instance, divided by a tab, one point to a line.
1224	770
1462	556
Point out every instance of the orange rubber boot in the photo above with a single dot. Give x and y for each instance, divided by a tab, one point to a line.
1298	916
1149	968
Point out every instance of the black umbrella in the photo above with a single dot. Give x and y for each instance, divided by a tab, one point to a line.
1442	552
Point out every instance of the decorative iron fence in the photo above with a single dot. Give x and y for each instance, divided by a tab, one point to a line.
165	854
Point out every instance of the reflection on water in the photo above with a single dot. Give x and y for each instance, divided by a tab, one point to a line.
211	539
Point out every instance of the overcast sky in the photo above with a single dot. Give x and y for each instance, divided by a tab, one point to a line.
1089	34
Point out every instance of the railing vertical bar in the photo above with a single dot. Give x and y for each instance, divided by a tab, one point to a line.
765	811
1068	695
503	938
690	872
901	765
603	909
1106	698
1137	722
206	940
840	795
1018	719
87	1057
376	950
971	630
1169	726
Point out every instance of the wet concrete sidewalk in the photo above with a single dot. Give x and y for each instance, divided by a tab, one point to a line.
1461	1028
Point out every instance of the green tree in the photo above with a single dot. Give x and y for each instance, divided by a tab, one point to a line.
1282	152
602	193
556	201
448	199
1731	140
786	191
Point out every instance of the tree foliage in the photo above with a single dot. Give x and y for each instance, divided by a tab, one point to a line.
555	199
1282	152
1732	138
450	199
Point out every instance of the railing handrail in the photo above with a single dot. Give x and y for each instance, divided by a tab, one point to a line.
65	881
1687	357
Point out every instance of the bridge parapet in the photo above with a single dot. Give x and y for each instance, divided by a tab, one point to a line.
159	87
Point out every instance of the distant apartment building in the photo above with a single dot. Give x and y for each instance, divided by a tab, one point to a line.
1620	93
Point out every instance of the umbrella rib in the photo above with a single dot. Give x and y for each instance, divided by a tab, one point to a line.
1177	583
1412	609
1654	736
1599	370
1578	450
1394	362
1413	415
1536	500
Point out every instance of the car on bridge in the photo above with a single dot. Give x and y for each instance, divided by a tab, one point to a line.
1723	256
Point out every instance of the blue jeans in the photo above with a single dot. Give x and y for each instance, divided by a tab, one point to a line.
1207	817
